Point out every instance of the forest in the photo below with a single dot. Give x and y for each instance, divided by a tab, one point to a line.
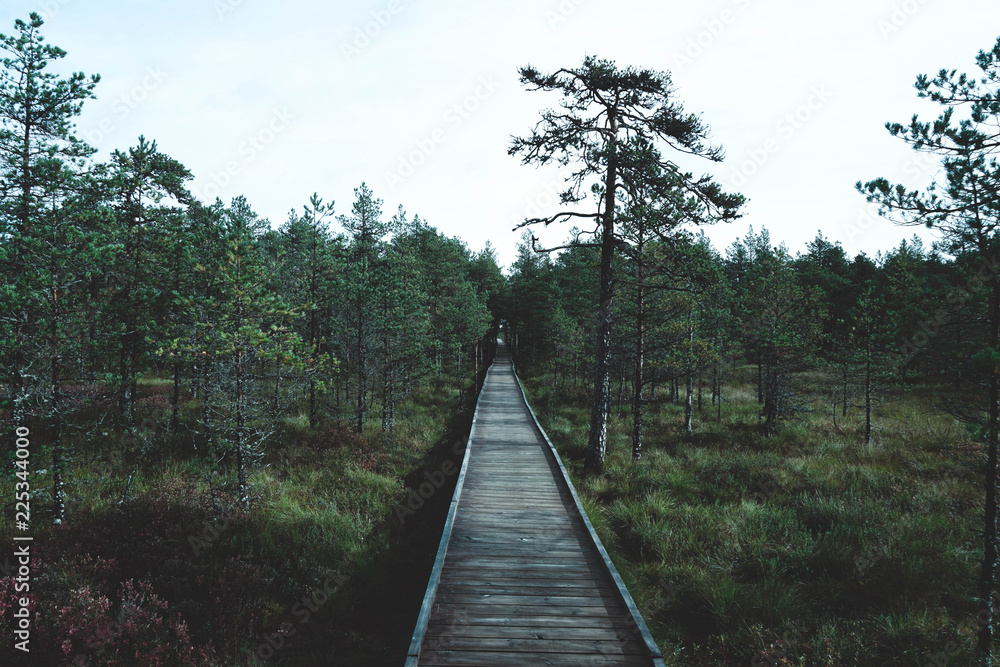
214	423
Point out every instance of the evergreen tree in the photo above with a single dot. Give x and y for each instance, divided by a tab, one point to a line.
367	232
964	205
145	186
782	320
609	122
249	335
308	269
38	155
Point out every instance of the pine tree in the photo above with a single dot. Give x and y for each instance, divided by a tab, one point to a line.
964	204
308	270
38	154
607	129
249	335
367	231
145	186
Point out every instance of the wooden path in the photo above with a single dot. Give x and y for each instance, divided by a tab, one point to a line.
520	577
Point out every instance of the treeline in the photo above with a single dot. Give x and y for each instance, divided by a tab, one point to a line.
688	317
113	272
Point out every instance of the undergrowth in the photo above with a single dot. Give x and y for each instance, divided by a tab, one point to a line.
806	548
159	564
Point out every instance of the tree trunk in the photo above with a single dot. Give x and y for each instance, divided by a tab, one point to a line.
175	402
637	382
986	583
241	470
337	382
277	383
597	444
689	406
699	389
718	384
689	398
621	391
385	383
771	398
362	389
206	408
130	353
844	412
868	389
310	373
58	483
760	381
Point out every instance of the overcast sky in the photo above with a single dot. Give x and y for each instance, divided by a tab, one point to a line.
419	98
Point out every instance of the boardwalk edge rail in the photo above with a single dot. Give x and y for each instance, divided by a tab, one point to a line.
413	655
626	597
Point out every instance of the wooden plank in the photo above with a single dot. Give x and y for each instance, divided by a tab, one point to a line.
521	581
521	574
473	610
508	556
442	631
529	645
474	658
647	637
566	553
544	622
554	567
527	540
580	590
471	578
455	598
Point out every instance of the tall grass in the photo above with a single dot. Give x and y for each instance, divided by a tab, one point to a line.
322	525
807	548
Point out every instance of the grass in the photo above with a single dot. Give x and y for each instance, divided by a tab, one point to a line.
808	548
321	552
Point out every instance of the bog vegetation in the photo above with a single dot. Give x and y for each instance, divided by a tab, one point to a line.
224	413
792	457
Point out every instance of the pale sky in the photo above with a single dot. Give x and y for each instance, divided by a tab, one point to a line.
419	98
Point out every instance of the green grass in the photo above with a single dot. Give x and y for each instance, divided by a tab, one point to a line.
322	508
808	548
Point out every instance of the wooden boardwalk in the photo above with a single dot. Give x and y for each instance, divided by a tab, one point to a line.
520	576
